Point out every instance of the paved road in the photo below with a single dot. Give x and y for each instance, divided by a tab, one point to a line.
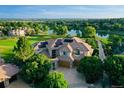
101	51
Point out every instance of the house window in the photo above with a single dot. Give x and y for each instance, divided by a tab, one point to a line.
64	53
77	52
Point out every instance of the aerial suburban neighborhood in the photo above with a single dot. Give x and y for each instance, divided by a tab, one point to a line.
67	52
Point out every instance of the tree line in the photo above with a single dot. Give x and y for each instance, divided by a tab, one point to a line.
62	26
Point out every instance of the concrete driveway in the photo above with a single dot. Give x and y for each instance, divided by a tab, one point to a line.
18	84
75	79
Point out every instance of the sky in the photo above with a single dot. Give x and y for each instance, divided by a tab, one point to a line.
61	11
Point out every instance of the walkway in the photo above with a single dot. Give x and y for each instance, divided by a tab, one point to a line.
101	51
102	57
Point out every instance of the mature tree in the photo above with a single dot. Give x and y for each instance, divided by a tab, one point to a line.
61	30
89	31
91	67
116	26
30	31
64	30
116	44
36	69
121	81
23	50
45	28
37	30
114	68
94	44
55	80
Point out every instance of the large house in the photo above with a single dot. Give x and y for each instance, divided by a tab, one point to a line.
17	32
67	52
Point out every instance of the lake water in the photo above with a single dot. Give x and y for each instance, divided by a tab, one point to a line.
102	35
71	32
78	32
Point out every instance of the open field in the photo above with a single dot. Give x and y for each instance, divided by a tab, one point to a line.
7	44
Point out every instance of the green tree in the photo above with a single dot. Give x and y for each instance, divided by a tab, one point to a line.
23	50
64	30
94	44
55	80
61	30
116	26
91	67
116	44
37	30
113	68
29	31
89	31
45	28
36	69
121	81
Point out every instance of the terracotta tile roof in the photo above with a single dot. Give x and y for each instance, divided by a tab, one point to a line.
87	46
51	42
3	77
7	71
81	42
67	46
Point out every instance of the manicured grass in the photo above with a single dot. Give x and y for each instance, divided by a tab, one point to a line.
6	45
37	38
103	40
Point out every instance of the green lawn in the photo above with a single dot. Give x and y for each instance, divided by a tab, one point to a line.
6	45
103	40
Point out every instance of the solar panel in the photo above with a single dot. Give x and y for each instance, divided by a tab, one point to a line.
43	44
68	40
58	43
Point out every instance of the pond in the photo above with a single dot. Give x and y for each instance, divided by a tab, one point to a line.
101	35
71	32
78	32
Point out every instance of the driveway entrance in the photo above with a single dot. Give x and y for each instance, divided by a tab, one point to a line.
75	79
18	84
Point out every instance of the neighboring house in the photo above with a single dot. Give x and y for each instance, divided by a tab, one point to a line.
8	73
17	32
68	51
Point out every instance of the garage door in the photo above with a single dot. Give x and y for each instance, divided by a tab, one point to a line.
13	78
64	64
2	85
